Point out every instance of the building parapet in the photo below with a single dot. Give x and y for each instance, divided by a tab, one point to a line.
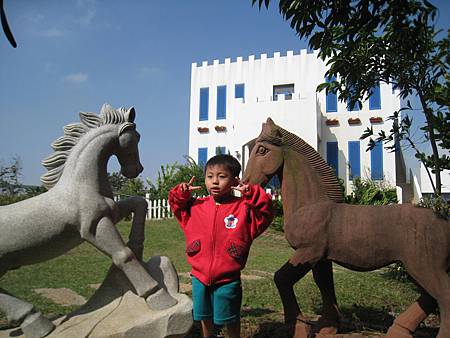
251	58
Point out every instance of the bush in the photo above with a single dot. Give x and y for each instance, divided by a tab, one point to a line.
369	192
6	199
172	174
277	223
439	205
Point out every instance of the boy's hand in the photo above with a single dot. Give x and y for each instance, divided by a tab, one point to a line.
188	186
241	187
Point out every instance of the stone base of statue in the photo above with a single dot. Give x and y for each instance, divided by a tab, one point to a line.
115	311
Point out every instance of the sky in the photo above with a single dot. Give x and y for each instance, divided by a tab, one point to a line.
76	55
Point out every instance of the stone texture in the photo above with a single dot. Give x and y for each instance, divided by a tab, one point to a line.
115	311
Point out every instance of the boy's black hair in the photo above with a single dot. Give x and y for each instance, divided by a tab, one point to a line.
228	161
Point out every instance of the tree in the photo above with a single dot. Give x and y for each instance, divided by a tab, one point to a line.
126	186
366	42
10	177
172	174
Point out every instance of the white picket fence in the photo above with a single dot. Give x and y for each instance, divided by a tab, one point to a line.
158	209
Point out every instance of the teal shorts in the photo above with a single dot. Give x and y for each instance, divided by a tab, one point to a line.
219	303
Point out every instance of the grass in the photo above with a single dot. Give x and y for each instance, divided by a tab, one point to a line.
368	301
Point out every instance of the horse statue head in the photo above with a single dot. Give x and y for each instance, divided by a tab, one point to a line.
266	156
94	140
276	151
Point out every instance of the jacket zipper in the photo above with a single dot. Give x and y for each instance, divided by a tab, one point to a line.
213	246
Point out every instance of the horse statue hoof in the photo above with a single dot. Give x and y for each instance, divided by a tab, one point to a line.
160	300
302	328
397	331
36	326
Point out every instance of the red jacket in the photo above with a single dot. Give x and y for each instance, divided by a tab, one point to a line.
218	237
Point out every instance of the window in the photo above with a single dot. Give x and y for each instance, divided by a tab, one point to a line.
376	161
274	183
220	150
356	106
221	102
204	103
332	156
375	98
202	156
239	91
287	90
354	159
331	103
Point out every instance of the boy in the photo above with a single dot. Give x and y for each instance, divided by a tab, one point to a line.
219	230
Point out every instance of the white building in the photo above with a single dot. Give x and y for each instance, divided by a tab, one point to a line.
230	101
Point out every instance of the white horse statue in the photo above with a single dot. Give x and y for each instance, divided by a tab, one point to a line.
79	207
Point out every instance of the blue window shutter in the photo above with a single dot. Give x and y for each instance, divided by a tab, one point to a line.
376	161
332	156
354	159
331	103
204	103
274	182
221	150
356	107
202	156
375	98
221	102
239	91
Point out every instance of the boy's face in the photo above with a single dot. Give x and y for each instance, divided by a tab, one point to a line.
219	180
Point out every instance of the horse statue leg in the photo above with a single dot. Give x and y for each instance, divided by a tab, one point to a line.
405	324
138	206
329	321
285	279
32	322
107	239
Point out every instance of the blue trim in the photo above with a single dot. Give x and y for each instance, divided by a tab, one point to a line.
376	161
202	156
204	103
331	102
375	98
354	159
332	156
239	91
221	102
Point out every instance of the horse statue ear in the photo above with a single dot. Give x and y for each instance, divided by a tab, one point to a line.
130	115
269	126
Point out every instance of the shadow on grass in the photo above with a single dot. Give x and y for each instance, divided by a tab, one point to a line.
366	321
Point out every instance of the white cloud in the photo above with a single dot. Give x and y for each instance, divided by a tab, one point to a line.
76	78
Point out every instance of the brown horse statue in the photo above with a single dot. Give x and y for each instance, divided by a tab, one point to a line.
321	229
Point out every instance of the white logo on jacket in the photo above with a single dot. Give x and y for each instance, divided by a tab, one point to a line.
230	221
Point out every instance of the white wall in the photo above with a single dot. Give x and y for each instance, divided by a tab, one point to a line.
304	115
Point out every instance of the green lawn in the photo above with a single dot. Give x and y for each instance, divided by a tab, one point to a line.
367	300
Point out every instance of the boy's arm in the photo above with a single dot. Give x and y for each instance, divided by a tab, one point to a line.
179	201
261	209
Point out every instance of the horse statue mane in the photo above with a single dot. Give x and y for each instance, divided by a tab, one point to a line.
326	173
72	134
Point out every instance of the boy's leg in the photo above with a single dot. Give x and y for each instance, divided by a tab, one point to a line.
207	328
203	307
227	299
